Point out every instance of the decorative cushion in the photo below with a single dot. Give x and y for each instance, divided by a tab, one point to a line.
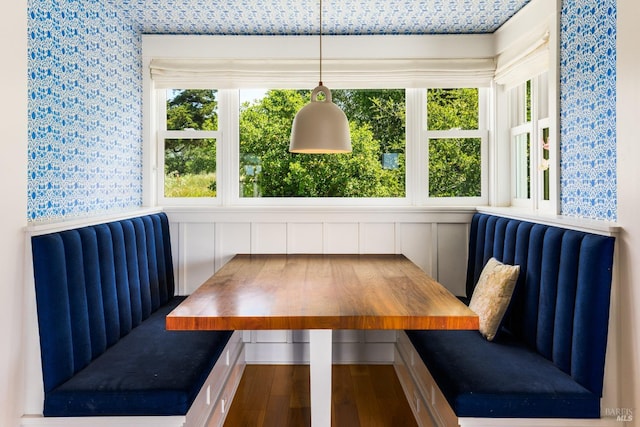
492	295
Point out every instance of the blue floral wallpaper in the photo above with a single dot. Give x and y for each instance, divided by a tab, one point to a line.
85	114
295	17
85	91
588	109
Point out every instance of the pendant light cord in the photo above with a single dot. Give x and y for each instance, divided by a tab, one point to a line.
320	84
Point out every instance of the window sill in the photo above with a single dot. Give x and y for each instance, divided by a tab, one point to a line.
580	224
320	214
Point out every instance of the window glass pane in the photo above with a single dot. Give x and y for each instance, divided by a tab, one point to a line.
375	168
192	109
544	163
522	143
190	167
528	101
454	167
452	109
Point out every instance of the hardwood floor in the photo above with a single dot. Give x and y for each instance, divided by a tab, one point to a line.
278	395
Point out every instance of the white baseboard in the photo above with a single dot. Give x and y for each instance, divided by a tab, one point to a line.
298	353
537	422
40	421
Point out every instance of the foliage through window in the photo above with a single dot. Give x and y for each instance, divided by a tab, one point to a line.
192	135
189	144
375	168
455	142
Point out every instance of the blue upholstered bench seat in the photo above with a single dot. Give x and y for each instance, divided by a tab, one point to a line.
102	294
548	358
503	378
150	371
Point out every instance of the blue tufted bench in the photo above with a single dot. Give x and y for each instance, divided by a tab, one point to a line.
548	358
102	295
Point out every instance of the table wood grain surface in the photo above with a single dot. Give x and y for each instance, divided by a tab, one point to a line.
264	292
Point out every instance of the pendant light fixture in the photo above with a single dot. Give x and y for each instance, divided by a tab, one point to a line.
320	127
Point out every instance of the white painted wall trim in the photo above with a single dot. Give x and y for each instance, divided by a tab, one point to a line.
433	238
533	422
298	353
587	225
45	227
292	347
40	421
320	213
284	48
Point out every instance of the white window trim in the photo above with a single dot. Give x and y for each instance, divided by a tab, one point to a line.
363	62
523	129
526	46
163	134
482	133
546	205
534	128
430	61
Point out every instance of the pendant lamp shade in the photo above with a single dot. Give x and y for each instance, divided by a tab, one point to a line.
320	127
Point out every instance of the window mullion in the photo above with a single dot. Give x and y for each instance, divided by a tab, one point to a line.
189	134
416	154
229	145
161	120
535	140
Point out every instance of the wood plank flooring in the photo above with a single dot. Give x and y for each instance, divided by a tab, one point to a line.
278	395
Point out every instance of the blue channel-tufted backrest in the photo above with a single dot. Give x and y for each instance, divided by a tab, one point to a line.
560	305
94	285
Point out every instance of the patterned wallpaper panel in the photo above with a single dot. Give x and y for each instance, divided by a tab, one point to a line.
588	109
301	17
85	94
85	114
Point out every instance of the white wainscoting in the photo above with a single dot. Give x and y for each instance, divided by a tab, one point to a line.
204	240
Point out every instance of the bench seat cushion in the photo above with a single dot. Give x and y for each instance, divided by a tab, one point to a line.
503	378
150	371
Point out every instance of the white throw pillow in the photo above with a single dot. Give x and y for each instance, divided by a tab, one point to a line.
492	295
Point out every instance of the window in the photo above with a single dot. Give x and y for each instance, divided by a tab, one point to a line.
530	143
375	168
217	125
455	142
188	137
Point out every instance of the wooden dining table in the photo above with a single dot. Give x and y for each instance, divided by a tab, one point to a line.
321	293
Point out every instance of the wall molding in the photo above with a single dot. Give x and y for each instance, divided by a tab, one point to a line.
607	228
52	226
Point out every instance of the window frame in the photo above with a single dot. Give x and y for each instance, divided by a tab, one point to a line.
163	134
237	200
538	121
383	71
228	141
482	133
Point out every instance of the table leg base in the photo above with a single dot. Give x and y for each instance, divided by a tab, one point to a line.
320	353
